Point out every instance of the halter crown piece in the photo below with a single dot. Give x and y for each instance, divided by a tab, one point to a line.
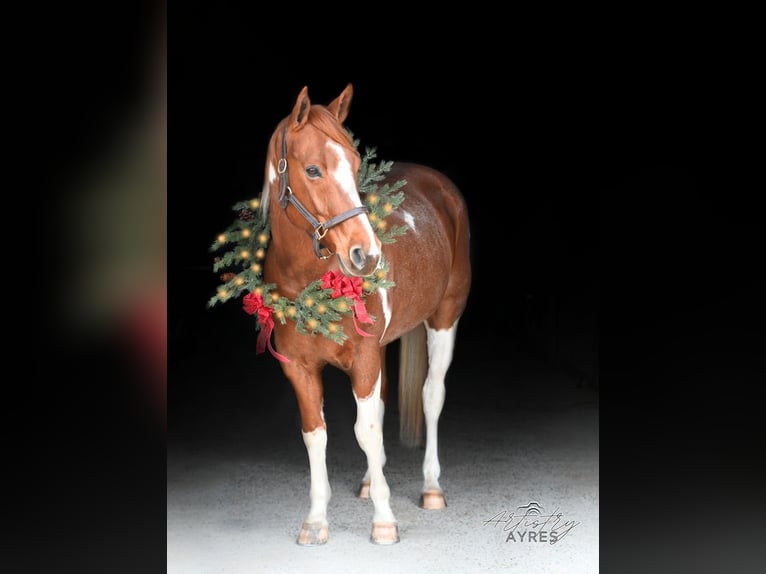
320	227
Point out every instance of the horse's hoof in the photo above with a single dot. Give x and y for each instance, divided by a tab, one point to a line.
384	533
313	534
432	500
364	490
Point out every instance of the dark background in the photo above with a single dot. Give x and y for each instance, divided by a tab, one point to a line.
611	181
534	230
613	210
531	156
586	168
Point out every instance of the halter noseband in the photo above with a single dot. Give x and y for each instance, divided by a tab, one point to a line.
320	227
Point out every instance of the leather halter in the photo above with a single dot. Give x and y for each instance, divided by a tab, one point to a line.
320	227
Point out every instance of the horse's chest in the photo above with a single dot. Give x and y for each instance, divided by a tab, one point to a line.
314	349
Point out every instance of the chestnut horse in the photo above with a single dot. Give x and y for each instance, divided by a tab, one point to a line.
318	223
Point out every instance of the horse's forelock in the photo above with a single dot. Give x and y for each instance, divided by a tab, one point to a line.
264	207
322	119
272	159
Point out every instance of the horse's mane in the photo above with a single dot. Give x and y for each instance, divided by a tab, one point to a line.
323	120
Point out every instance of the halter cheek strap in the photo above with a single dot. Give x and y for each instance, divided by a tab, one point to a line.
320	227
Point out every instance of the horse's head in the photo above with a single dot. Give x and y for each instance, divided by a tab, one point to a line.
314	168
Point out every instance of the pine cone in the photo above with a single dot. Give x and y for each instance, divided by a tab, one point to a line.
246	214
226	277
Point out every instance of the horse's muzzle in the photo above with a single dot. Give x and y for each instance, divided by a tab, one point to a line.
359	262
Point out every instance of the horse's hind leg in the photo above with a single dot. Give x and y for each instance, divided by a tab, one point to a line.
308	391
441	343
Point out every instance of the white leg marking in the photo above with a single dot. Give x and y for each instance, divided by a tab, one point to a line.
366	477
346	179
440	346
316	445
369	433
386	309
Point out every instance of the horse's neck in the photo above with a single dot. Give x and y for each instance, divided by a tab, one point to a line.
290	260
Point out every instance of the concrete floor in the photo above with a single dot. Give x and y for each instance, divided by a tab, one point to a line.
513	430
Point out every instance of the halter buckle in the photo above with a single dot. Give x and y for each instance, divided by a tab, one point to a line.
284	196
320	231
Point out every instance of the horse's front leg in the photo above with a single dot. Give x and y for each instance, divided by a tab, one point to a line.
307	384
367	386
364	488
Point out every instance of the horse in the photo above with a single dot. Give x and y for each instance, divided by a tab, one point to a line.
318	225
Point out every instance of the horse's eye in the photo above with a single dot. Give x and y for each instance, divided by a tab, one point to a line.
313	171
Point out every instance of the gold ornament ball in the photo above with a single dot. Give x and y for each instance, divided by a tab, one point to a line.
245	233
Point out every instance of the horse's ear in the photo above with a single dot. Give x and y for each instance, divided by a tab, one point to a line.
339	106
301	110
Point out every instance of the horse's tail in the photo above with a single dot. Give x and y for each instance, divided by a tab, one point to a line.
413	367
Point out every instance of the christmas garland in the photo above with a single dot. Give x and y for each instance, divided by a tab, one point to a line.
322	304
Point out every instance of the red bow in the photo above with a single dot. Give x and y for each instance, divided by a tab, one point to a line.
351	287
253	304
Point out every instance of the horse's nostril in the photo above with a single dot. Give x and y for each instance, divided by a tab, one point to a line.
357	257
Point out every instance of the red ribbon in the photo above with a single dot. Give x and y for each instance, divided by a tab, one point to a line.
351	287
253	304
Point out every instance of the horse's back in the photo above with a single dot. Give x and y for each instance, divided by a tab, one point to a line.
430	264
430	196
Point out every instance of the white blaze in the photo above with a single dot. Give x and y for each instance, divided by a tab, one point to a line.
346	178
